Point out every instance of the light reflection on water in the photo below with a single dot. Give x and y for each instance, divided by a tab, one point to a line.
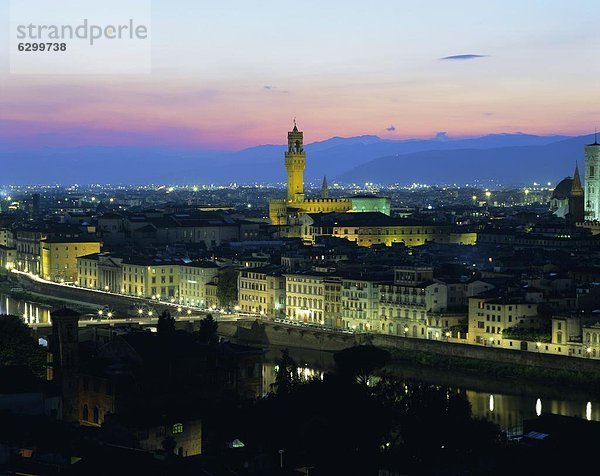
31	313
305	373
506	410
509	411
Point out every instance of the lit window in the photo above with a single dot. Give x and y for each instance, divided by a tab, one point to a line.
177	428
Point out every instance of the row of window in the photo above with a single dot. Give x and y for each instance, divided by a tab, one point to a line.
304	289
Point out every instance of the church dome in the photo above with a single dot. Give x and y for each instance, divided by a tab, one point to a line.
563	189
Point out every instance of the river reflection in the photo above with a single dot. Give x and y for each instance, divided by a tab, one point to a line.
506	409
31	312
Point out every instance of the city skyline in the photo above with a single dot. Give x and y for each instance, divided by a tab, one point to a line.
280	238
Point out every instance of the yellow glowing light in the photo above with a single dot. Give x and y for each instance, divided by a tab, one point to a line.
588	411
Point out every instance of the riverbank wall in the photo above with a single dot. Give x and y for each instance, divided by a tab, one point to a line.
267	333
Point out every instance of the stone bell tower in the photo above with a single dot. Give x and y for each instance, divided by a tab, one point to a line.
295	162
65	343
592	181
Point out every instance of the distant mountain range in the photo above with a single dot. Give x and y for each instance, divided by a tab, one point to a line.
509	158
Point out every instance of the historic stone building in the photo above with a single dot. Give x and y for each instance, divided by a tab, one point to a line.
285	211
592	181
567	199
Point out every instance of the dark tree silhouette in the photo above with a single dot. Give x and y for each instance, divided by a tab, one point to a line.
413	409
227	288
208	330
360	362
286	377
166	324
18	347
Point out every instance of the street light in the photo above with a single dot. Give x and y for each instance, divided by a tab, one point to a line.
140	311
110	314
405	331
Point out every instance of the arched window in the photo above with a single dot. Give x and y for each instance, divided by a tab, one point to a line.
86	413
96	415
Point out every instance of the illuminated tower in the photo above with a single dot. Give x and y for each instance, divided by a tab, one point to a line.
592	181
295	162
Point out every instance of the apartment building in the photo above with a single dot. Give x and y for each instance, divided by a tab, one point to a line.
261	290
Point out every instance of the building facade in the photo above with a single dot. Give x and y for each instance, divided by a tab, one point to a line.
489	317
59	257
305	297
193	280
262	291
592	181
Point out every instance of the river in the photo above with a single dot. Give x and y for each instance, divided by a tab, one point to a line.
31	312
505	402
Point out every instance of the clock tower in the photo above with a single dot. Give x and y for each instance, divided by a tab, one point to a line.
295	162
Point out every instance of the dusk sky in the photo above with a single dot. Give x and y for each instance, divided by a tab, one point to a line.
233	74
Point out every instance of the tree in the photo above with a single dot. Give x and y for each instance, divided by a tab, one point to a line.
286	376
166	324
427	419
360	362
208	330
227	288
19	347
